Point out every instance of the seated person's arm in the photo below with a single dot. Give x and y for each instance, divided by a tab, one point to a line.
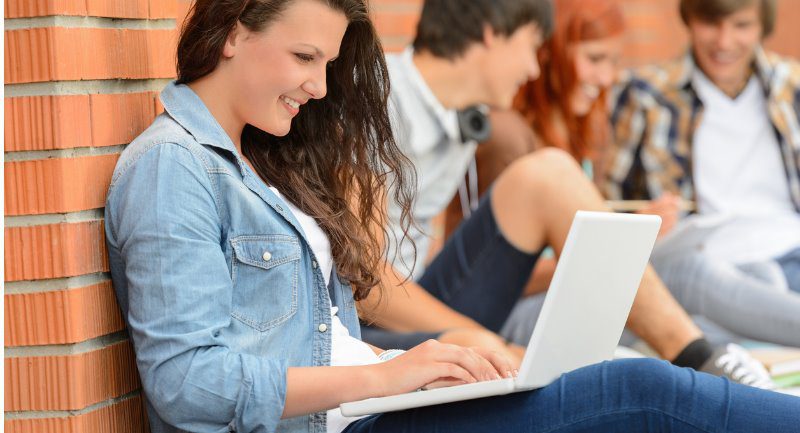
403	305
408	307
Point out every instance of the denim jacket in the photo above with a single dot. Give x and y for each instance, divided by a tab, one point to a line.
219	288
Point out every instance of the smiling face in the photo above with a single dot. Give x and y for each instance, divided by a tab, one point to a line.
509	63
272	73
724	49
596	62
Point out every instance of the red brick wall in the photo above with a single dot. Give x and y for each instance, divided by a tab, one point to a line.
81	79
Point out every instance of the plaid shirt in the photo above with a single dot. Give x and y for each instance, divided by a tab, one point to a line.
656	114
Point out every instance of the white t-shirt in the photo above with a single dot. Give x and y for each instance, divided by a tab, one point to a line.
738	172
345	349
429	135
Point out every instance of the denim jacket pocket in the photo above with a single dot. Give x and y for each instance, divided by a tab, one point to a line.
265	276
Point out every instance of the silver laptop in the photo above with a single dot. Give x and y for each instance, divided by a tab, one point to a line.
583	316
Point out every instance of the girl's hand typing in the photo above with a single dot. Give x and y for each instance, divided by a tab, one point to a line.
488	340
434	365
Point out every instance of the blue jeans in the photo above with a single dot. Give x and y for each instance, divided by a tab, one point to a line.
632	395
478	273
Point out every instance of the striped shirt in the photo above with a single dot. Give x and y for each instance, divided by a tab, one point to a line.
656	113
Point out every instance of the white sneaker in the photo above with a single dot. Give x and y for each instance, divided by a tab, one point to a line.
735	363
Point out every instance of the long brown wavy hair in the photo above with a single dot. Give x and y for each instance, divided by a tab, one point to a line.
548	96
339	163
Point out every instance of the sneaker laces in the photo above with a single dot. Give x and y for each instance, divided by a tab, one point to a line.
743	368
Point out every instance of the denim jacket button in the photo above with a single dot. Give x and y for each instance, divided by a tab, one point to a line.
314	264
323	327
267	256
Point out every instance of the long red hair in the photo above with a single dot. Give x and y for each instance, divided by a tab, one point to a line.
546	98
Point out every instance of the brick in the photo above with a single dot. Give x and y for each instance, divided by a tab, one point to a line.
656	23
96	8
62	316
56	54
119	118
40	8
396	23
656	51
787	32
54	251
70	121
46	122
57	185
182	9
118	8
28	52
395	45
70	382
160	9
126	416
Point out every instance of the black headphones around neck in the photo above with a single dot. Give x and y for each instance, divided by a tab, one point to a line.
474	124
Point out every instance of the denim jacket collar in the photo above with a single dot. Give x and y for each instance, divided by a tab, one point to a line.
183	105
189	111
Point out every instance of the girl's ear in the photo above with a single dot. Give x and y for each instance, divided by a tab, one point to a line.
234	37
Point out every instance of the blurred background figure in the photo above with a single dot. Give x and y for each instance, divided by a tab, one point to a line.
720	126
568	107
464	56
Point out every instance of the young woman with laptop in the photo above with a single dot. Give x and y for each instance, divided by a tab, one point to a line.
239	231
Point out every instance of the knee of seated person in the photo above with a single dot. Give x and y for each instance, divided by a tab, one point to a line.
679	265
510	131
642	374
506	148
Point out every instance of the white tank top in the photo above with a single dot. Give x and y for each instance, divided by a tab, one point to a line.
345	349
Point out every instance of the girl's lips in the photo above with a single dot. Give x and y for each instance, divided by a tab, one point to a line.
591	92
293	111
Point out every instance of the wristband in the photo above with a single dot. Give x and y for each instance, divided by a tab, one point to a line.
387	355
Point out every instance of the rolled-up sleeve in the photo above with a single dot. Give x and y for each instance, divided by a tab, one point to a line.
164	223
